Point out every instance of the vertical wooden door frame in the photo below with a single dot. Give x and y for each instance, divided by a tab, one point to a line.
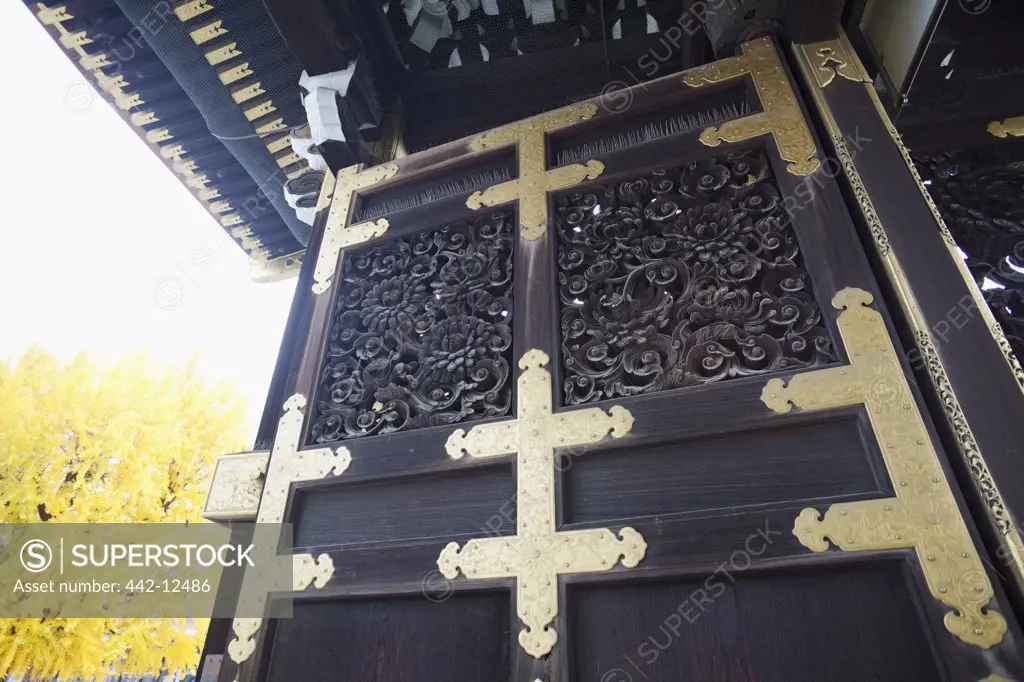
975	384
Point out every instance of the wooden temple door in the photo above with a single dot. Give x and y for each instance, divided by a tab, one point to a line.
611	395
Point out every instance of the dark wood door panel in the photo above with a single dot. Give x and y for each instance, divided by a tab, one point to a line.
394	640
797	626
407	509
825	461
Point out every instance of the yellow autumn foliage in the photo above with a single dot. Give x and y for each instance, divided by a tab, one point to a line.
81	442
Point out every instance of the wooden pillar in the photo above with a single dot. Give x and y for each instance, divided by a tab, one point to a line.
282	385
952	340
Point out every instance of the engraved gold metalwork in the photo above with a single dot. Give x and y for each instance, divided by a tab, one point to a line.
338	234
192	9
968	444
118	88
259	114
535	180
780	116
1008	127
306	571
860	193
1012	549
221	54
236	486
288	465
49	16
323	200
831	58
539	553
276	269
923	515
972	286
205	34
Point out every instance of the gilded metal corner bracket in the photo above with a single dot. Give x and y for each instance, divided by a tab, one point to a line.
539	553
780	116
1008	127
338	234
923	515
970	449
288	465
535	180
306	571
323	200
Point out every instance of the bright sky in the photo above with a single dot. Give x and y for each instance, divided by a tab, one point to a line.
99	233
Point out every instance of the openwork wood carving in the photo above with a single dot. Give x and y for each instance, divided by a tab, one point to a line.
923	515
339	234
535	180
781	116
421	333
538	553
686	276
288	465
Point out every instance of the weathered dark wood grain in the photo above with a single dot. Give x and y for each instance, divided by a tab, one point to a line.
395	640
407	509
829	460
766	626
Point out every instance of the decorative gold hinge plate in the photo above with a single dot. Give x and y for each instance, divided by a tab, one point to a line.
781	116
923	515
288	465
535	180
1012	548
338	234
539	553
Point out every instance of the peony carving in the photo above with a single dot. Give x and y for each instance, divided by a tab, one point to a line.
683	277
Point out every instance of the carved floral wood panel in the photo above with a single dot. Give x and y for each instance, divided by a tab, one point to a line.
421	332
682	277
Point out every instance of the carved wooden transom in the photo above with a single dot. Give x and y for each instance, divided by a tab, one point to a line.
421	333
682	277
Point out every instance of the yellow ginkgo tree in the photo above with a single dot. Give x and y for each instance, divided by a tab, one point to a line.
84	442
